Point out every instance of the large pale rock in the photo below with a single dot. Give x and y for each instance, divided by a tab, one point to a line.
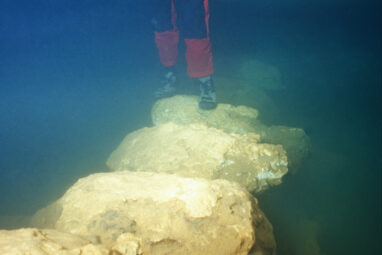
46	242
183	109
199	151
162	214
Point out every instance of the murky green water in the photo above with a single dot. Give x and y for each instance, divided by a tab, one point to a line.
75	78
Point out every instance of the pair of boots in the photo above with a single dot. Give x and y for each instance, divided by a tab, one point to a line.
207	99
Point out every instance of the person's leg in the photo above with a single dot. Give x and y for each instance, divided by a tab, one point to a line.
193	24
166	40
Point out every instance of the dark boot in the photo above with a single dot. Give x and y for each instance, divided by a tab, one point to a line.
207	93
168	85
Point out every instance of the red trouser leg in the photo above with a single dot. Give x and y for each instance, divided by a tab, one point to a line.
198	52
167	43
199	57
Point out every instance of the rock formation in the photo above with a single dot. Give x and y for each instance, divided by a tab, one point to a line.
233	119
33	241
199	151
161	214
180	187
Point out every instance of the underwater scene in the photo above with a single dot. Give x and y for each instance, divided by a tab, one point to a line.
269	141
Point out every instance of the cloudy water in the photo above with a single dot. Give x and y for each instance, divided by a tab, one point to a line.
77	76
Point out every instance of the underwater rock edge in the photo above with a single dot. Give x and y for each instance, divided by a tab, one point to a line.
163	213
195	150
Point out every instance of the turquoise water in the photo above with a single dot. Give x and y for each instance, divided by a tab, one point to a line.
75	78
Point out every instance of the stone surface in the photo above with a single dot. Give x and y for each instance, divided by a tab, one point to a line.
196	150
46	242
161	214
183	109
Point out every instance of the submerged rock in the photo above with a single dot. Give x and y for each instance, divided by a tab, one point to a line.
241	92
33	241
294	141
261	74
183	109
199	151
161	214
242	120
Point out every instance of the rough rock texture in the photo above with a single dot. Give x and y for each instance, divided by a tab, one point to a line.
183	109
199	151
162	214
233	119
46	242
261	74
